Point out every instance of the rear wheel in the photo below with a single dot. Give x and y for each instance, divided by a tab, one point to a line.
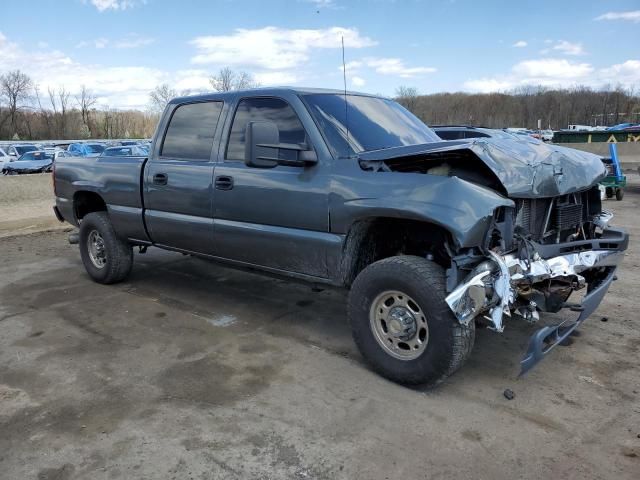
106	257
402	324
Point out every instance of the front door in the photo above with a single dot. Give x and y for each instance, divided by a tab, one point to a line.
178	192
277	217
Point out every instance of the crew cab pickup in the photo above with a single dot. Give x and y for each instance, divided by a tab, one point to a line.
431	237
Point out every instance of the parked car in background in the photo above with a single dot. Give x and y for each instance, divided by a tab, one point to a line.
4	158
546	135
460	132
85	149
126	151
37	161
17	150
59	154
621	127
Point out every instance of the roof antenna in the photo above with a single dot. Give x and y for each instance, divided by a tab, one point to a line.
346	105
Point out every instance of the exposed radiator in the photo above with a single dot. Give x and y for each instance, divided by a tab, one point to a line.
567	216
531	216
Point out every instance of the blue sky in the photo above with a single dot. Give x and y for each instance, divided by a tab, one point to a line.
121	49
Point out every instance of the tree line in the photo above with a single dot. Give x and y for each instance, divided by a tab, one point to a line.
523	107
29	112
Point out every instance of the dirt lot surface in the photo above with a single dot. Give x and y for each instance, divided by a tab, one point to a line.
194	371
26	203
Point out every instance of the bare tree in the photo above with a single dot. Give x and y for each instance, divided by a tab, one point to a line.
63	96
15	87
85	101
160	96
44	113
227	80
407	97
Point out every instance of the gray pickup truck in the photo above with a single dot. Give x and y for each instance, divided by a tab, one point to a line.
431	237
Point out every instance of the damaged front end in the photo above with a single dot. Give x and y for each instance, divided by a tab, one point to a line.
572	248
547	237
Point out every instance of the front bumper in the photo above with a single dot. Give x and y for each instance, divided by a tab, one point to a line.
546	338
498	287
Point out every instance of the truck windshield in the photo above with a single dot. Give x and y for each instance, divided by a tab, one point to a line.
373	123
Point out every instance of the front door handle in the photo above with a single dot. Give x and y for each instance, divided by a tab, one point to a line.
160	179
224	182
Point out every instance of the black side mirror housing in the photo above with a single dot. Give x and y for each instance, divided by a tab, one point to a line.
256	135
262	145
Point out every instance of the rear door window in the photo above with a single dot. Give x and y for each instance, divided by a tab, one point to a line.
190	132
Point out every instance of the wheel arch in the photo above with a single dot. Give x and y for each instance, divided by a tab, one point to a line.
374	238
85	202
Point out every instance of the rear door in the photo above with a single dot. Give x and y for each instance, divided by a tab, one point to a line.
178	179
272	217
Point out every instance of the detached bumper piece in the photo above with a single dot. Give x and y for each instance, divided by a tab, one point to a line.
506	284
546	338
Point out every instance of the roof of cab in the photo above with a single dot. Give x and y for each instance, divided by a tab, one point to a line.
264	91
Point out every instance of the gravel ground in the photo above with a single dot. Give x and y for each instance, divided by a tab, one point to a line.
26	203
194	371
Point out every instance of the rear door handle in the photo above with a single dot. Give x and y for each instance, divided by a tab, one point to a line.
224	182
160	179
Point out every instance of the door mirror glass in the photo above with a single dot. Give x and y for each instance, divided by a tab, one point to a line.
256	152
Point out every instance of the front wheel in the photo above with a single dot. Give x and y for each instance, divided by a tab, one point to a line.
619	194
402	324
106	257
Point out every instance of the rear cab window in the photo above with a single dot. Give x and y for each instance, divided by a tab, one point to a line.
270	109
191	130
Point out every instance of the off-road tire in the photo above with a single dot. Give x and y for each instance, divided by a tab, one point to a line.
449	343
118	252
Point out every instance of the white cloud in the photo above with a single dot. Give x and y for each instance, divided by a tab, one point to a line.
631	16
358	81
352	66
551	68
486	85
194	81
277	78
103	5
43	45
386	66
396	66
627	73
569	48
122	87
272	48
520	44
559	72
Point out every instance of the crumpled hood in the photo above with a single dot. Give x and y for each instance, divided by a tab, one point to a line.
526	168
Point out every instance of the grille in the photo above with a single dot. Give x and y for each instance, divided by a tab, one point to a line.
567	216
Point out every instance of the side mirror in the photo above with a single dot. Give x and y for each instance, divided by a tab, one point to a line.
257	135
262	146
